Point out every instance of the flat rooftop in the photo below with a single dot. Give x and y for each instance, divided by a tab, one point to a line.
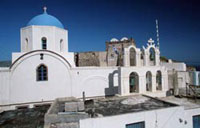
122	105
65	111
24	118
185	102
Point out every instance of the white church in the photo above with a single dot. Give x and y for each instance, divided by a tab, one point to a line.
44	69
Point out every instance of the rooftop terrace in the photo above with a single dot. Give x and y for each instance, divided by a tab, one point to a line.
121	105
68	111
185	102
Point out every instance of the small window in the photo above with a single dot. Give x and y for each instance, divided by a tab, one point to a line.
42	73
61	45
196	121
136	125
44	43
26	44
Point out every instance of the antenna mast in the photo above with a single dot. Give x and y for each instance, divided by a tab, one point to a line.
157	34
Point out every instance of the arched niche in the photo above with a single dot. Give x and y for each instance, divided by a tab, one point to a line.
133	82
158	80
148	81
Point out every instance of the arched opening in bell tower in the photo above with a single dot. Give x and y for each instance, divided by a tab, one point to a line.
132	56
152	56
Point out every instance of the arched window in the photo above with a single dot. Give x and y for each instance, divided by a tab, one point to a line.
44	43
148	81
152	56
26	45
132	57
158	80
61	45
134	82
42	73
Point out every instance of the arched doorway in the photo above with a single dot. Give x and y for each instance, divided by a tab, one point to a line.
132	56
148	81
152	56
134	82
158	80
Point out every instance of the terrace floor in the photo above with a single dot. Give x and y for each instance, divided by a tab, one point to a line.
121	105
24	118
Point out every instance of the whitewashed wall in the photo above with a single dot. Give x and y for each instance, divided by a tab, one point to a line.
176	66
166	118
183	78
94	81
34	34
4	85
188	114
141	71
63	80
25	88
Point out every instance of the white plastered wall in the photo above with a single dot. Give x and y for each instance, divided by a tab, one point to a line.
4	85
127	55
176	66
69	56
63	80
94	81
165	118
25	88
146	55
183	78
34	34
141	71
188	116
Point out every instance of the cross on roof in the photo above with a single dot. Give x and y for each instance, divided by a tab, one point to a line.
150	41
45	9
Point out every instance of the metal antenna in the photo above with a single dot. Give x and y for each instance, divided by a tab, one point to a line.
157	34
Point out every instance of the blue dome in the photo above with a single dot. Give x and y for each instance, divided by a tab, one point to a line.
45	20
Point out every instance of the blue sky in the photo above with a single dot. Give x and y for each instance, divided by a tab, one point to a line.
91	23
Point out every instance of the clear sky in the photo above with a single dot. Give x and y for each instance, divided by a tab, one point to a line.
93	22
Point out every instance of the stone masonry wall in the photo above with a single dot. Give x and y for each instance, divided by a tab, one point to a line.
113	56
115	51
90	59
